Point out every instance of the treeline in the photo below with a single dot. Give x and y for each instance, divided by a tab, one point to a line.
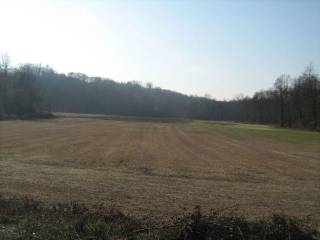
292	102
19	94
31	89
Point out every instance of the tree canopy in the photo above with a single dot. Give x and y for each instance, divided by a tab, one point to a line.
28	89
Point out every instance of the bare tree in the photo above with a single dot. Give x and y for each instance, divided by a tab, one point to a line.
312	93
4	62
281	86
4	81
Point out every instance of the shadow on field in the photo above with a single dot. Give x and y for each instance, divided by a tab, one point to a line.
29	219
28	117
121	118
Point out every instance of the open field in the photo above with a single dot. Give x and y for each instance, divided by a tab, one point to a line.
159	168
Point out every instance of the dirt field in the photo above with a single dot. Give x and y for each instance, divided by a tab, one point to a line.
149	167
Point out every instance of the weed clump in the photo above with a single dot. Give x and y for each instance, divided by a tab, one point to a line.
29	219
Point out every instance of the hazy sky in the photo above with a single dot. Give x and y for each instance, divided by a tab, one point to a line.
217	47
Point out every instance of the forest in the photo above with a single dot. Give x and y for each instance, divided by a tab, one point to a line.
30	89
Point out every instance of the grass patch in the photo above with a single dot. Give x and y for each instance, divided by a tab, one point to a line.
242	131
29	219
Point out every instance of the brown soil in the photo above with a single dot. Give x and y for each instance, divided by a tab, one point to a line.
148	167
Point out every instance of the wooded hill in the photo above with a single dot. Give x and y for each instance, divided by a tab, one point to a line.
30	89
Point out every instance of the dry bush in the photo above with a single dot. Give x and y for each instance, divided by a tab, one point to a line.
29	219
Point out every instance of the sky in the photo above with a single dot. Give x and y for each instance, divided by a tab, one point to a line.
220	48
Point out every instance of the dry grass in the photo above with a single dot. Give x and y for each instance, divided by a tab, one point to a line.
148	167
28	219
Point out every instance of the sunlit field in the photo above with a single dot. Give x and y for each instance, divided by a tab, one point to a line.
159	168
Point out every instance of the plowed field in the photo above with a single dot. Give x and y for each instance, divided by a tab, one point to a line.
150	167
